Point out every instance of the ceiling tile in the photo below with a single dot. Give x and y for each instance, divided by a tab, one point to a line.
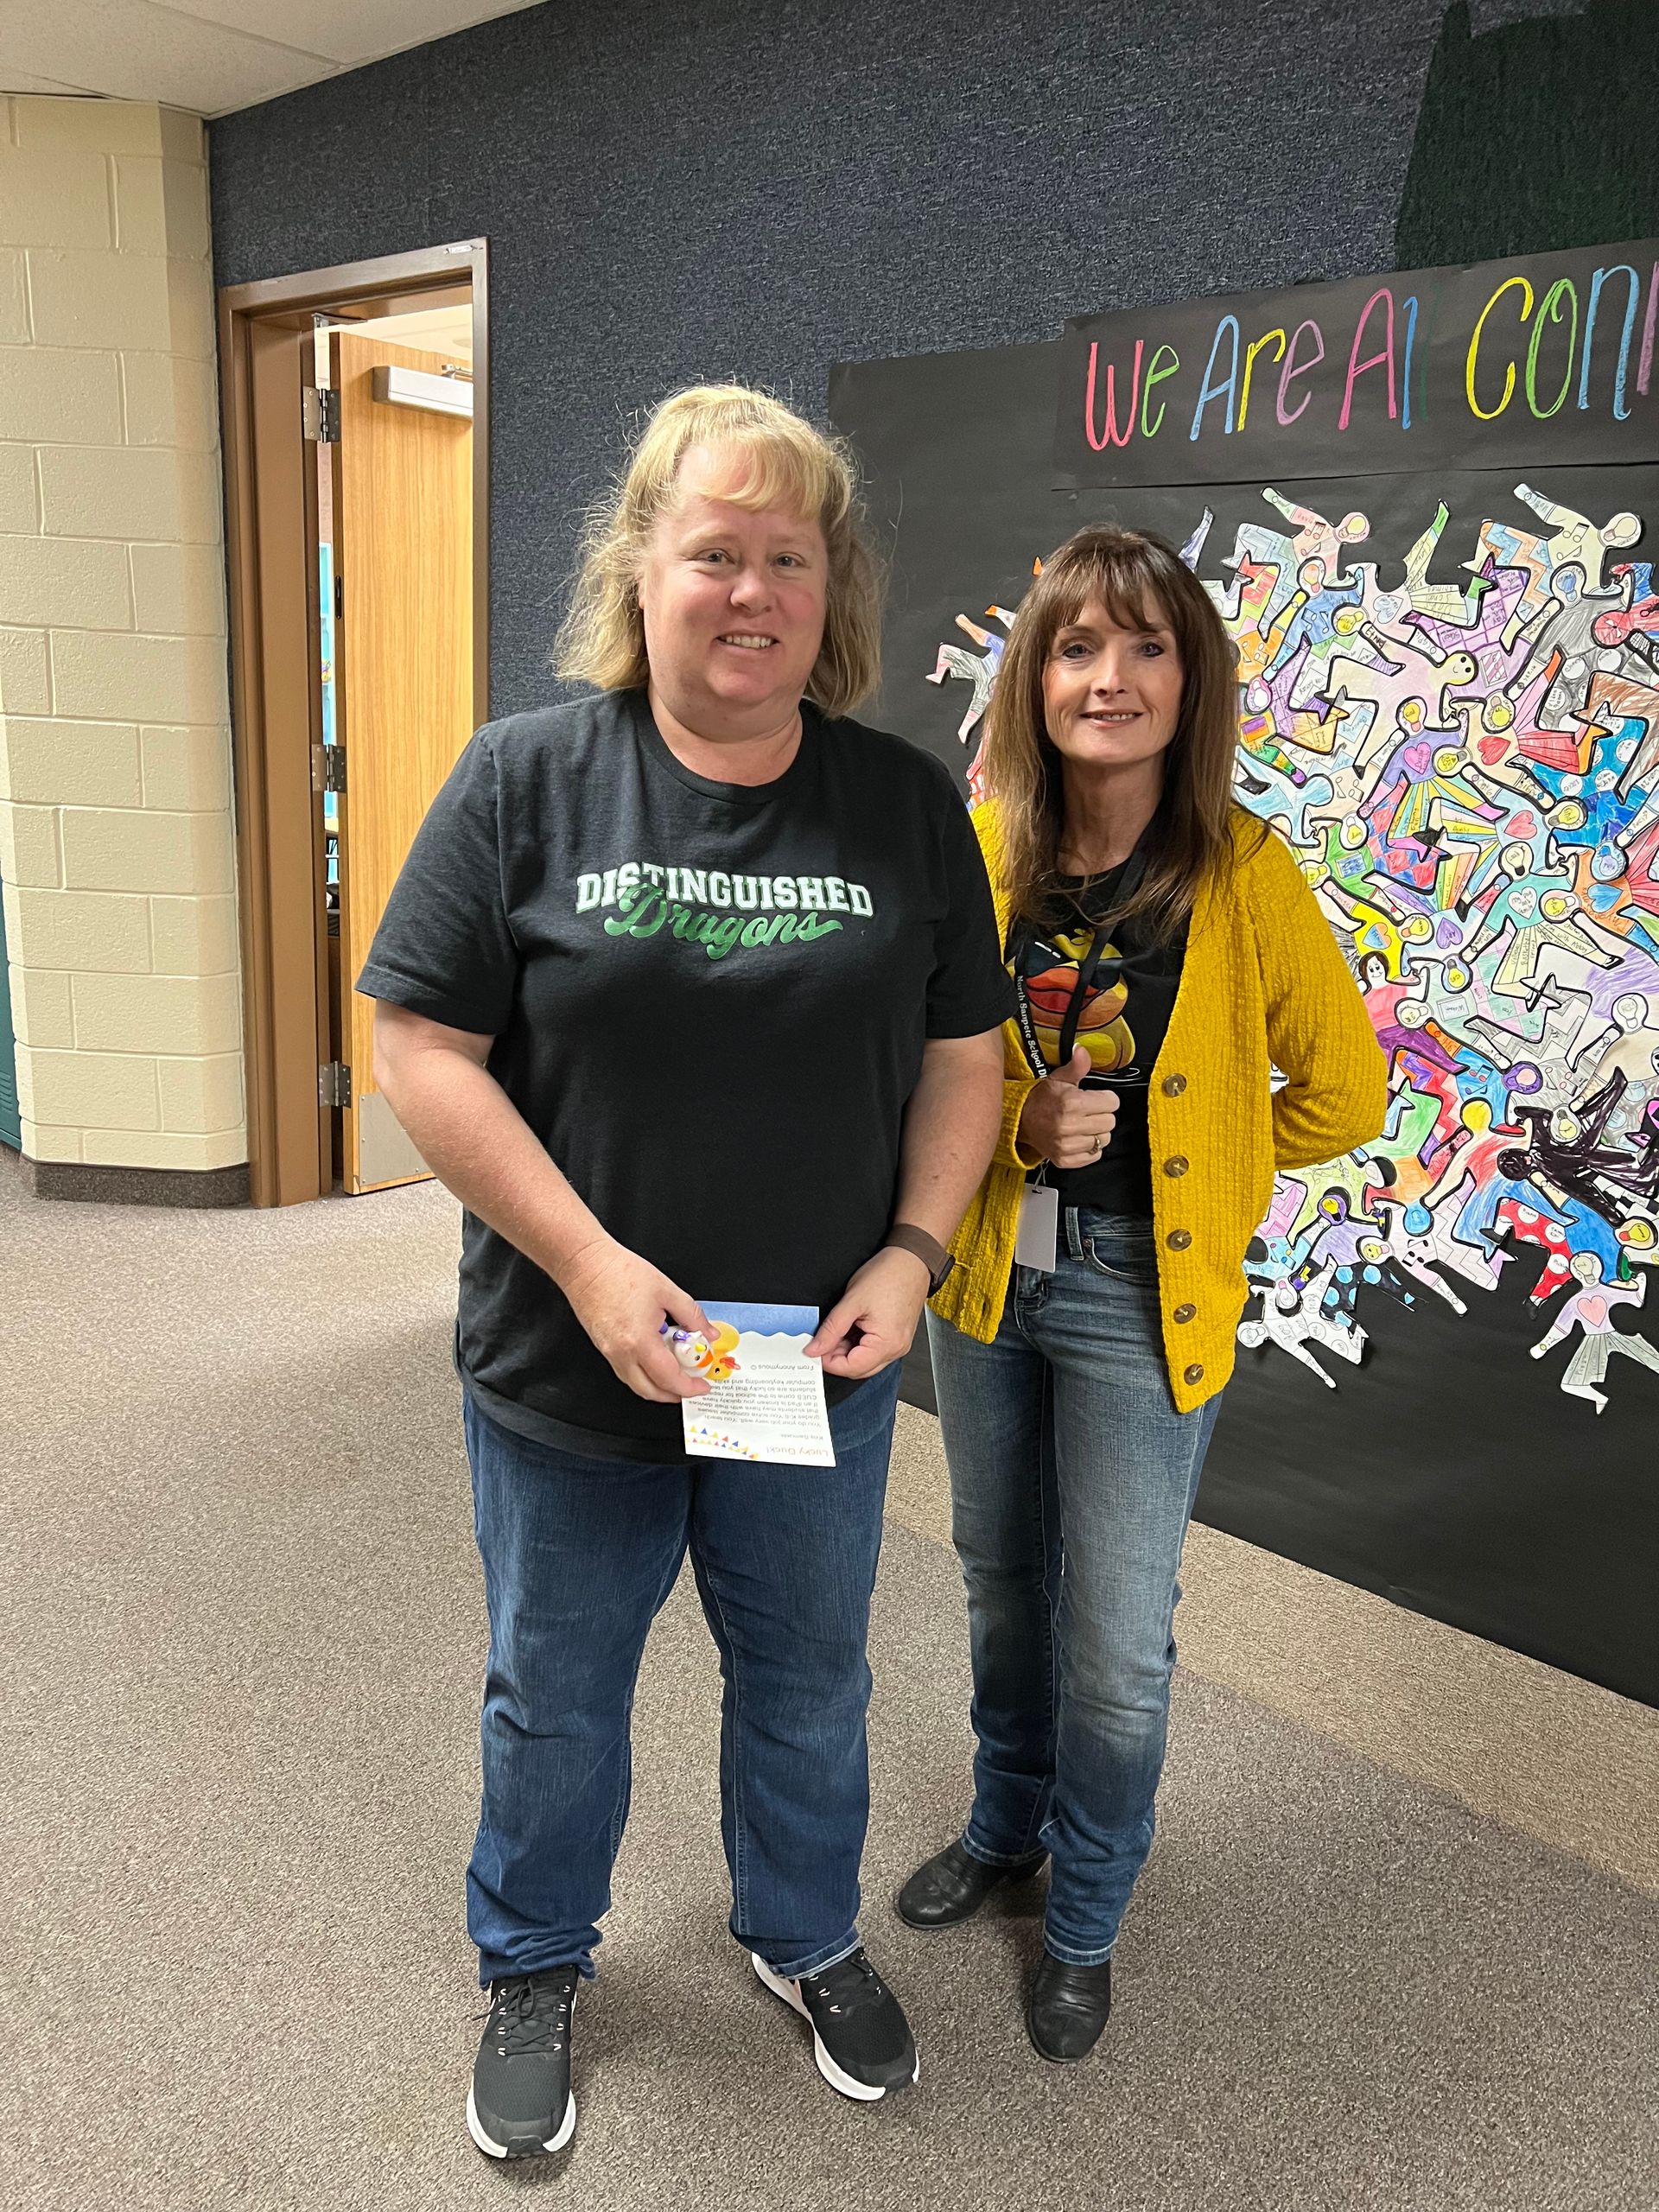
17	80
130	50
353	31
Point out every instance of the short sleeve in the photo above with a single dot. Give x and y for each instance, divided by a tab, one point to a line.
444	948
969	991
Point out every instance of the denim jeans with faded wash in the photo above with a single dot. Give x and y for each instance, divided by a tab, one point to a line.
579	1555
1072	1480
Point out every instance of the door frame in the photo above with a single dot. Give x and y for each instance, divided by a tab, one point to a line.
269	519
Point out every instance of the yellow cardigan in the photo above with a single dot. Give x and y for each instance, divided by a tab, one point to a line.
1264	982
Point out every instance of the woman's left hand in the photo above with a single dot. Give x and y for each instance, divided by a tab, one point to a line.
873	1321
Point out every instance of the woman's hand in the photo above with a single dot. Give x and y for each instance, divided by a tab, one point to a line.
872	1322
1065	1124
622	1302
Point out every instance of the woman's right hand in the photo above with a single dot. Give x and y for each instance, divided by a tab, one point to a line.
1065	1124
622	1302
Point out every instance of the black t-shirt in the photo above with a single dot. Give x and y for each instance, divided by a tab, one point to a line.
708	1001
1124	1015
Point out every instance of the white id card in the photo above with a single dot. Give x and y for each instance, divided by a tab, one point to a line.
1040	1228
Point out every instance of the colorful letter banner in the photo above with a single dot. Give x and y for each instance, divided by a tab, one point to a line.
1503	365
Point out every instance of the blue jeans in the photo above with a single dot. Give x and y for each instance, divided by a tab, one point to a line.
579	1555
1072	1478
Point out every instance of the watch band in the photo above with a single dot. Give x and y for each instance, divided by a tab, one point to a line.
928	1250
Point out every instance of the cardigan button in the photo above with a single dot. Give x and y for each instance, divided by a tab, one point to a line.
1174	1085
1185	1313
1192	1375
1178	1166
1178	1239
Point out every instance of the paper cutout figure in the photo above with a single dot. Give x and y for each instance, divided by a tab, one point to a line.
1589	1309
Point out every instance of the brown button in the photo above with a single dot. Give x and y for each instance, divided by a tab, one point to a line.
1178	1239
1176	1167
1185	1313
1194	1375
1174	1085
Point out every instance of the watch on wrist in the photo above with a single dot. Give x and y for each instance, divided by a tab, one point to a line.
906	1238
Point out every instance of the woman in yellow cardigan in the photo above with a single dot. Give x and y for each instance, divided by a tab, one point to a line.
1167	955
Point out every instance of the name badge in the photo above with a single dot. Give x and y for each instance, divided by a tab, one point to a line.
1040	1228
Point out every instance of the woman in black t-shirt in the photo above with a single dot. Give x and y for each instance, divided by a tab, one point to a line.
1167	953
689	990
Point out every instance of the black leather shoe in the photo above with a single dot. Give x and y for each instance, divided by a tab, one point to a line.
1068	2007
950	1887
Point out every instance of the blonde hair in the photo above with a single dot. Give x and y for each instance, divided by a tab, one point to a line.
1137	579
785	463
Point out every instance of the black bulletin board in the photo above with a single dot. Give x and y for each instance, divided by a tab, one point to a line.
1446	1469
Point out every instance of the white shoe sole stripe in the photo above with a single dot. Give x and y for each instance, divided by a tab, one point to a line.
494	2150
860	2092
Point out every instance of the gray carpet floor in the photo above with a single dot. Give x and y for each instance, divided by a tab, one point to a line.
241	1671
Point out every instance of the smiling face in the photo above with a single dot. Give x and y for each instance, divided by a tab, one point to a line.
732	602
1111	694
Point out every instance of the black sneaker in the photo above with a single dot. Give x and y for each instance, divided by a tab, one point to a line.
519	2103
861	2037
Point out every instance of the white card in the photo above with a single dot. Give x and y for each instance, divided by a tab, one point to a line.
771	1406
1040	1228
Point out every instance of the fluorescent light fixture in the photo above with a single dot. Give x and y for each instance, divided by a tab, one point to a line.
418	388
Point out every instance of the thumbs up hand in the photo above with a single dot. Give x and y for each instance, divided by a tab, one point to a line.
1065	1124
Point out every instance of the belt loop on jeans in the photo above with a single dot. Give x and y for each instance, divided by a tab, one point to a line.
1073	1233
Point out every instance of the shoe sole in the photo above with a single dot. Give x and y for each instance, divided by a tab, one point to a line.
860	2092
493	2150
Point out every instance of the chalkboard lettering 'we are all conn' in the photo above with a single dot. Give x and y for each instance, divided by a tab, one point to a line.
1499	363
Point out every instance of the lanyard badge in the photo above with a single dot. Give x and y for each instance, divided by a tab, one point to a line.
1037	1239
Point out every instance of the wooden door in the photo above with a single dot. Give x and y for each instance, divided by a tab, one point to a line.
403	522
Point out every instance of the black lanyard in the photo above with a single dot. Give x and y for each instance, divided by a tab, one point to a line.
1020	934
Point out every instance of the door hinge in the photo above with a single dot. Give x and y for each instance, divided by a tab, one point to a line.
321	414
327	767
340	596
335	1084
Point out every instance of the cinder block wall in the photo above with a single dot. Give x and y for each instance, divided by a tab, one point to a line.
115	844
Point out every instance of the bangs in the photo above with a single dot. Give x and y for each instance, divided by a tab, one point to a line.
1122	580
758	469
768	456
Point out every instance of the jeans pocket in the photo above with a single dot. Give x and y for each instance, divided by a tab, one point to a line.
1122	1254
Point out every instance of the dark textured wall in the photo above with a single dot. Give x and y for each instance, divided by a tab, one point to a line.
761	188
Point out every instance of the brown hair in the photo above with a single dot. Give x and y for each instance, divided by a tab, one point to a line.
785	462
1137	579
